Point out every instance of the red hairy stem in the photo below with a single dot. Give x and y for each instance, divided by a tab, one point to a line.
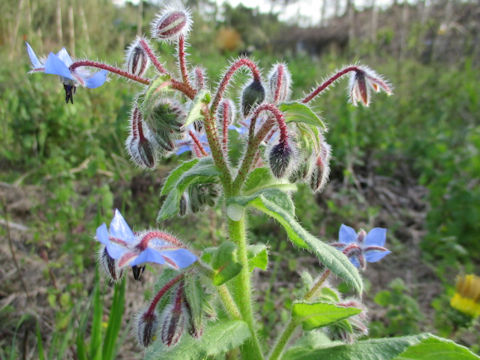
197	151
162	292
197	143
142	245
152	57
182	61
279	83
252	148
330	81
277	116
112	69
226	109
227	77
200	78
188	91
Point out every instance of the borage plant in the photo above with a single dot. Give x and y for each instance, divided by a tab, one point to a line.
203	306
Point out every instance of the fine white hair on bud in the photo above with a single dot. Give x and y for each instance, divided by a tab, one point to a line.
136	58
173	322
226	112
361	84
171	23
321	167
109	265
280	159
138	145
279	83
147	326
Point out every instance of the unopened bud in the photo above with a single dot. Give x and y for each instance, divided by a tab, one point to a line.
147	325
183	207
138	272
109	265
173	322
279	158
137	59
279	81
321	168
171	24
138	145
200	195
252	95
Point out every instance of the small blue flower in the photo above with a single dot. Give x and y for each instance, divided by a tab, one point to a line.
362	247
59	64
188	144
129	249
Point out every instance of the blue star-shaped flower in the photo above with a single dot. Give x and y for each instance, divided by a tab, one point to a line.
151	247
59	64
362	247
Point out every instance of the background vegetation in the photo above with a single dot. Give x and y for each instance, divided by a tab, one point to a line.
409	163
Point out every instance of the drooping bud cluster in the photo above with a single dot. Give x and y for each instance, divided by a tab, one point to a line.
171	24
139	147
280	158
165	119
137	60
279	83
147	326
321	167
201	195
253	94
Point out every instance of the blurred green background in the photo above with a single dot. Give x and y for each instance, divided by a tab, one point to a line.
409	162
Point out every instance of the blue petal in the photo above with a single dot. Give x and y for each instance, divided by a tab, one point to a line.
355	262
374	255
182	149
102	234
346	234
33	57
120	229
115	250
181	257
96	80
376	237
148	255
64	57
55	66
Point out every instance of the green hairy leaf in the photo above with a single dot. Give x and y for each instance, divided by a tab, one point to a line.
298	112
202	98
257	257
159	86
333	259
217	339
223	260
175	175
316	315
416	347
202	171
262	179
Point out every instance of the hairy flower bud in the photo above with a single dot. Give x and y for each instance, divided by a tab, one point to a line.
147	325
109	265
137	60
183	205
280	158
200	195
174	318
252	95
171	24
165	120
279	81
138	145
321	168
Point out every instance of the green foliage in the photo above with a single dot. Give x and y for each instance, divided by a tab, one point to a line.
218	338
257	257
223	260
403	312
203	171
298	112
320	314
418	347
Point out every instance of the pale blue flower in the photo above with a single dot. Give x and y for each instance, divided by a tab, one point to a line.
362	247
59	64
129	249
